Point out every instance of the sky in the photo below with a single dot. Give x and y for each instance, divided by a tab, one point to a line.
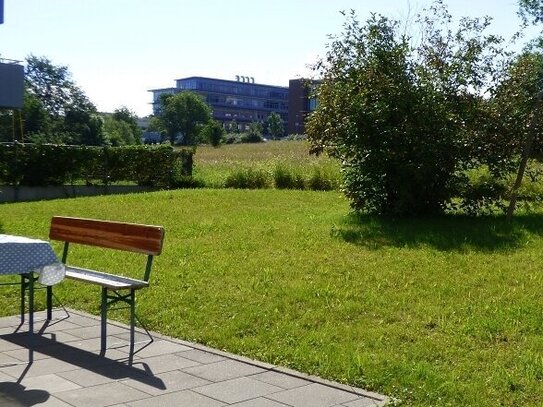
117	50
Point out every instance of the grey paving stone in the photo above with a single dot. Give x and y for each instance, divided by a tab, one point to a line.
6	360
88	332
236	390
180	399
10	322
39	368
21	354
5	377
138	336
83	320
224	370
365	402
163	363
259	402
57	326
59	336
282	380
161	347
102	395
102	374
314	395
91	345
172	381
201	356
53	383
7	345
52	401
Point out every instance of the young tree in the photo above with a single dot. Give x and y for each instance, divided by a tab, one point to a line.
213	133
276	126
118	132
183	114
253	134
124	114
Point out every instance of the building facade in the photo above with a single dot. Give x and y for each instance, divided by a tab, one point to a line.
300	104
242	100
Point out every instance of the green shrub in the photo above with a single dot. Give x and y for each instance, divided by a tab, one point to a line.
251	138
248	178
322	179
287	178
42	165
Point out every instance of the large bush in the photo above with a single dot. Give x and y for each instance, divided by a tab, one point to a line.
406	121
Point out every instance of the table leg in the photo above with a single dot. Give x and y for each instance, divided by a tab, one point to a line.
31	303
23	297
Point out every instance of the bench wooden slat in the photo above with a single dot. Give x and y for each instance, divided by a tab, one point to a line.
132	237
111	281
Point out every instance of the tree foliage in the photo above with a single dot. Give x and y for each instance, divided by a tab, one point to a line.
407	118
121	128
183	114
531	10
213	133
275	125
55	109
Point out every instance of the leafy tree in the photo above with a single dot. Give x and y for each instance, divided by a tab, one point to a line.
253	134
55	108
400	118
53	86
276	126
124	114
183	114
531	9
213	133
118	132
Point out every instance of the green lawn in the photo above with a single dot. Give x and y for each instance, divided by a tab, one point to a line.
436	312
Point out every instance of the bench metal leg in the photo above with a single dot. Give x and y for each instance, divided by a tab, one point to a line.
103	326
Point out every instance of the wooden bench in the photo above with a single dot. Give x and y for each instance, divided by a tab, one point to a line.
144	239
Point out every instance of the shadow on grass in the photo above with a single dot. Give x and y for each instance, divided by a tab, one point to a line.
447	232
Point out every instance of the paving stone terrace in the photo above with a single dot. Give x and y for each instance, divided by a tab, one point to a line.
60	366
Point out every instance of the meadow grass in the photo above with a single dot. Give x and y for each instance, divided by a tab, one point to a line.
215	166
443	311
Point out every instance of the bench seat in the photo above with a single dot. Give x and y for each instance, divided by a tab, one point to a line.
111	281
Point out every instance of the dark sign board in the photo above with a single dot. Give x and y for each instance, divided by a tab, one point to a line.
11	85
1	11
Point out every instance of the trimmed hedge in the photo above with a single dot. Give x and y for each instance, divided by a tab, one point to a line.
47	164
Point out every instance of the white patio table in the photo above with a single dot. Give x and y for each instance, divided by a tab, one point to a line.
27	257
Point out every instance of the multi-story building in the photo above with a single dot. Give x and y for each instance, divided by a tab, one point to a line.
300	103
241	100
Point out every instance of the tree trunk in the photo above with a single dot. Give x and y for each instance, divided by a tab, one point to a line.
525	156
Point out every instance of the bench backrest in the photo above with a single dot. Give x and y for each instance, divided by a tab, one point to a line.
132	237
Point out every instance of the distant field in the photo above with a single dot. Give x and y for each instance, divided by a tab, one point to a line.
213	165
443	311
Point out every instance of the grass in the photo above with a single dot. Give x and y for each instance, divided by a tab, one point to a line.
443	311
214	166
